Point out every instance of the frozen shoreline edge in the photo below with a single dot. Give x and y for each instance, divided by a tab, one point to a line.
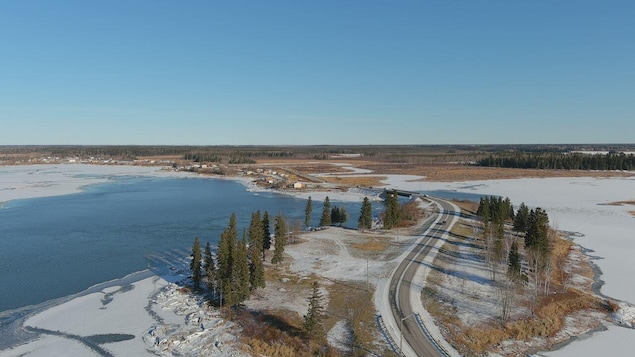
252	188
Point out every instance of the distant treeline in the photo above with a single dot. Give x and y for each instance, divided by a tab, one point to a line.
560	161
115	151
525	156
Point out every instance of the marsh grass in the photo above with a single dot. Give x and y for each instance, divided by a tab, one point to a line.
351	302
549	311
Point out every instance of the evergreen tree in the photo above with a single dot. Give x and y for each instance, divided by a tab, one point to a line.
522	218
335	215
240	274
313	325
208	266
338	215
495	208
307	212
483	208
280	236
366	215
325	219
195	265
256	268
256	232
392	215
226	256
266	234
343	216
513	270
537	236
510	209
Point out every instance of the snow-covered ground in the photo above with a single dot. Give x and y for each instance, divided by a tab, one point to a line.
148	317
179	323
30	181
576	205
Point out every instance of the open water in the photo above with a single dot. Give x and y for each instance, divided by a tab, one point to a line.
57	246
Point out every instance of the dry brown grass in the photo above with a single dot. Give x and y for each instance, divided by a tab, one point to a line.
621	203
561	248
468	207
269	333
351	302
547	321
371	246
445	172
364	181
549	315
624	203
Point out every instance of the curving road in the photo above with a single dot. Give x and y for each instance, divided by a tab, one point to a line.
403	280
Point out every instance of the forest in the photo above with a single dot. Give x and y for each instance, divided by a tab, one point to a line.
561	161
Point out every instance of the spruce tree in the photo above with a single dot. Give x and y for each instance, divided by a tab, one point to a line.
195	265
256	268
335	215
208	266
521	219
537	236
240	274
256	232
392	215
513	270
280	234
366	215
510	208
266	234
343	216
325	219
313	325
307	212
226	257
484	209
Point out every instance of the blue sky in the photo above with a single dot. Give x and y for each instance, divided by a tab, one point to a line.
317	72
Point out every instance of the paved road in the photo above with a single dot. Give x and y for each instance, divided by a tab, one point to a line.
403	281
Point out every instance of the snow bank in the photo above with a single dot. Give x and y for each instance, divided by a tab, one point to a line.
146	318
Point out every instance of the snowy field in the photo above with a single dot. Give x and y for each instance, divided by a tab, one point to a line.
152	316
576	205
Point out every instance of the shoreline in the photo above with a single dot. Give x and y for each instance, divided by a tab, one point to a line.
144	313
12	321
29	311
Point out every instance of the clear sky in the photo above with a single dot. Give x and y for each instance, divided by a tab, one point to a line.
317	72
